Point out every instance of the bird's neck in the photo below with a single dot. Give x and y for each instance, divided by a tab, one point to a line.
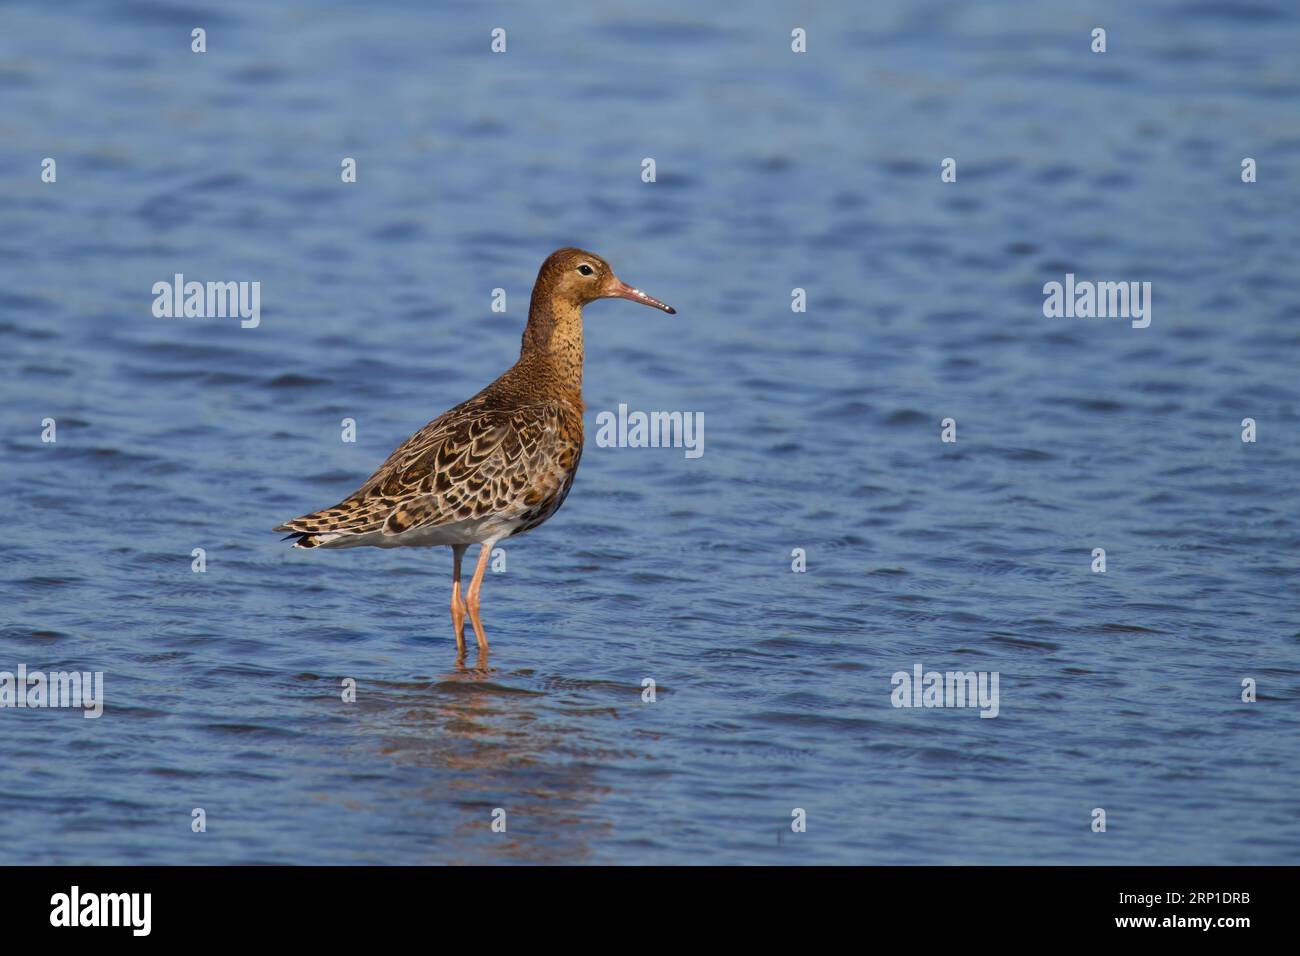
553	344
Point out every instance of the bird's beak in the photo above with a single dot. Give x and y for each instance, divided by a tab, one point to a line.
618	289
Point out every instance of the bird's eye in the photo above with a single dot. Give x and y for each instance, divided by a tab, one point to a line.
586	270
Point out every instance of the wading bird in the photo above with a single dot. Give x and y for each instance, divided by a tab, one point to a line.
496	465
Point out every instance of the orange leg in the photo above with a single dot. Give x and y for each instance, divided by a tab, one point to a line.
471	596
457	605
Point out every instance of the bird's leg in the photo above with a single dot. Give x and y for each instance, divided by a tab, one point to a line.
457	605
471	596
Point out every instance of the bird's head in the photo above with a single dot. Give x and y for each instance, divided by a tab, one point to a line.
577	277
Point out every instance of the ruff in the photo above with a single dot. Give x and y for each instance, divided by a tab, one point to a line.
496	465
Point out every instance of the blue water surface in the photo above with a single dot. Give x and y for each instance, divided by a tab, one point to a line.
774	171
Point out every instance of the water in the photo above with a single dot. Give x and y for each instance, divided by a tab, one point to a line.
775	171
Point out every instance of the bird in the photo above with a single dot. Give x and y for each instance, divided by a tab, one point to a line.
496	465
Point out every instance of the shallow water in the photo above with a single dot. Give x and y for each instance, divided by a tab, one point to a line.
1118	690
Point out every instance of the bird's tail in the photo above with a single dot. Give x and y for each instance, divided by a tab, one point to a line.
300	539
320	528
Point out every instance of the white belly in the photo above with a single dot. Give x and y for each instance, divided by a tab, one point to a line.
471	531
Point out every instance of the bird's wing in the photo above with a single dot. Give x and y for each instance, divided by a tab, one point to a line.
471	463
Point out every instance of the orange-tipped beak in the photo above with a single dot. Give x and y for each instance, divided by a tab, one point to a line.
621	290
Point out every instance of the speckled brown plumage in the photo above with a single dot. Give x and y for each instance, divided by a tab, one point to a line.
496	465
481	461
